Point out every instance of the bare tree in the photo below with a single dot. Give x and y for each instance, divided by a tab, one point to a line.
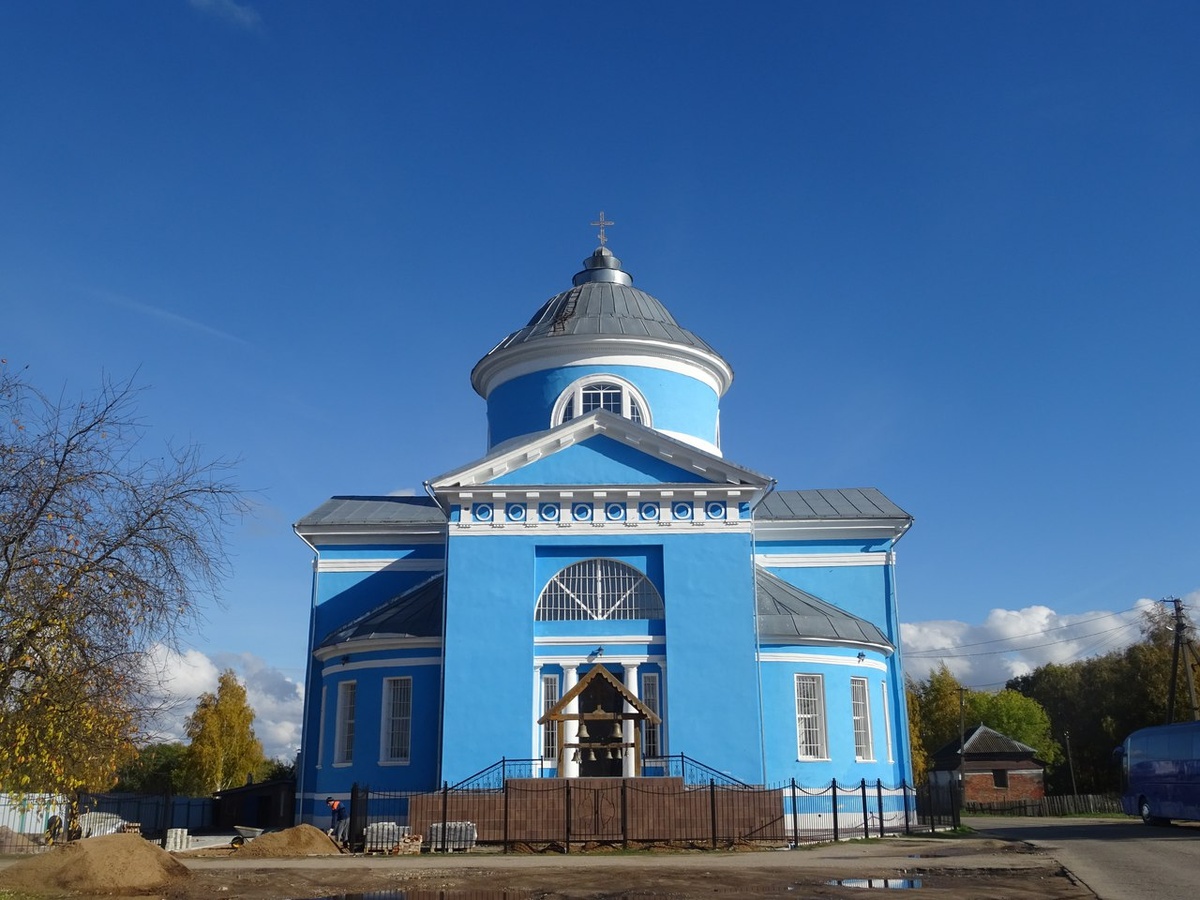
105	551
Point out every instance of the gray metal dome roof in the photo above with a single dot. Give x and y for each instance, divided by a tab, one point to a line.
603	301
788	615
603	314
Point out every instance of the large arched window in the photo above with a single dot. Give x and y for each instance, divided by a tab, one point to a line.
601	392
598	589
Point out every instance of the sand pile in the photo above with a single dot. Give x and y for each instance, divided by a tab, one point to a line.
15	842
115	862
303	840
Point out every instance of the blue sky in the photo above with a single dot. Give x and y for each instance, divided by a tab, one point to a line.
951	251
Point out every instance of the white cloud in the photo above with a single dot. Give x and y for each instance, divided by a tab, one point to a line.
234	13
1013	642
277	701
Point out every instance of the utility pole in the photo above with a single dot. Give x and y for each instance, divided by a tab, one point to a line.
1071	763
962	744
1175	659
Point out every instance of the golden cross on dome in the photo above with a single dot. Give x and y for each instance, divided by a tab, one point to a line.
601	224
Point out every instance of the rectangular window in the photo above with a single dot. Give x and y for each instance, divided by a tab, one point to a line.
860	711
1000	778
397	720
343	746
652	744
550	729
887	719
321	730
810	717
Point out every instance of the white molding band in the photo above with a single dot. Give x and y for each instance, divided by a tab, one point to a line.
821	659
822	560
397	662
599	640
404	564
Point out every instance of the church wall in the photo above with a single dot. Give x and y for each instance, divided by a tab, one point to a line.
677	402
711	677
836	666
368	671
489	653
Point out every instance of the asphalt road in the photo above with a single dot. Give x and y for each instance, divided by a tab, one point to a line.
1117	859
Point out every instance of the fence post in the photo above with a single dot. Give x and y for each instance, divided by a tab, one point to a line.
795	818
445	800
879	799
904	788
506	815
866	823
567	805
833	788
712	809
624	814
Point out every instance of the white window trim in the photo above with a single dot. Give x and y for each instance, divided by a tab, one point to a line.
575	391
656	707
865	686
385	723
819	699
341	721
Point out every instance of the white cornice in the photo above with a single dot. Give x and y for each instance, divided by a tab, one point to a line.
383	534
821	659
820	560
560	351
828	529
381	565
374	645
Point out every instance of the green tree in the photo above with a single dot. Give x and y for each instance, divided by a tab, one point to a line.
107	548
1098	701
157	769
223	752
1017	716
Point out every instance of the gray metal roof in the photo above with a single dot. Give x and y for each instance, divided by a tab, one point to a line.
603	302
415	613
982	741
847	503
375	511
786	614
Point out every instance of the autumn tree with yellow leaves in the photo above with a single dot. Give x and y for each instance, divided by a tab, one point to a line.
108	548
223	751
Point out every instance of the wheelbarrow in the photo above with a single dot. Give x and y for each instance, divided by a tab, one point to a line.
244	833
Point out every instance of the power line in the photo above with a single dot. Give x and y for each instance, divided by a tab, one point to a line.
925	654
1015	637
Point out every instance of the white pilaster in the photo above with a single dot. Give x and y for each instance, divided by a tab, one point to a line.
570	768
628	763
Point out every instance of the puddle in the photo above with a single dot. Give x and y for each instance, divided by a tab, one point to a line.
432	894
896	884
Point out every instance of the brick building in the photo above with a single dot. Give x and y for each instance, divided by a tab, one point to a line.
995	767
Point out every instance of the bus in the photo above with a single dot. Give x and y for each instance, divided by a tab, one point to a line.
1160	773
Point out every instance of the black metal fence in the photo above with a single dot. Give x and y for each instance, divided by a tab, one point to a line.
510	805
30	823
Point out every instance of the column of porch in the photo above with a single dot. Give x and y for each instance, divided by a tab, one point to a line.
570	767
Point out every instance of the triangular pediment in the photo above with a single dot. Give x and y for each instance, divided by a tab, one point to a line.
558	712
599	448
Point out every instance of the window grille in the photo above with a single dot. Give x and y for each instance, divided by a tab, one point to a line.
397	700
550	729
860	711
810	717
598	589
652	745
614	396
343	751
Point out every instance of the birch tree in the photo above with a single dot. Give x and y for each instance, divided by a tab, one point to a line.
108	548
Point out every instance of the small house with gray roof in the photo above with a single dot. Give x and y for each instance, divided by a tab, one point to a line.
603	562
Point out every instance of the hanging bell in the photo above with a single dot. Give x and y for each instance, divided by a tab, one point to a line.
575	755
617	730
583	732
592	755
612	754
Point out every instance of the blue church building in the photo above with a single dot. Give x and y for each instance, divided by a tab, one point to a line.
602	588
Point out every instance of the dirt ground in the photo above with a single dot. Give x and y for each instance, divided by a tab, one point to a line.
963	868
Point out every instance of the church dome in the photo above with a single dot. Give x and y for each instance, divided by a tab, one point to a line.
602	311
